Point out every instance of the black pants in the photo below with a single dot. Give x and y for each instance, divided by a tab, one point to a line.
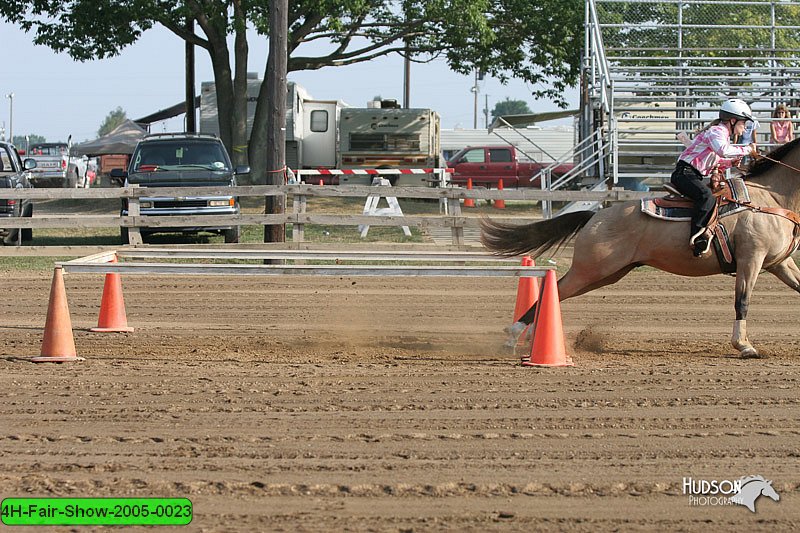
689	182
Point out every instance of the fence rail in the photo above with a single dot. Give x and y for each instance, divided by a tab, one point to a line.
452	217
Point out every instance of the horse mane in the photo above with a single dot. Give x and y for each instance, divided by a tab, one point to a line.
760	166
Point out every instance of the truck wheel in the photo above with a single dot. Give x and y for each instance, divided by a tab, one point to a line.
232	235
72	181
27	233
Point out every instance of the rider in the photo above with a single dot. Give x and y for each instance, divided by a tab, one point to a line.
711	150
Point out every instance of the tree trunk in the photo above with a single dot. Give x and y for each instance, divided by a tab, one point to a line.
239	115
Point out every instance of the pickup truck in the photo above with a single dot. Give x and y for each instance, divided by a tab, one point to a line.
14	175
487	165
55	167
181	160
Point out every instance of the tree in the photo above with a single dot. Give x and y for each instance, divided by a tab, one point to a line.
22	141
510	107
112	120
500	37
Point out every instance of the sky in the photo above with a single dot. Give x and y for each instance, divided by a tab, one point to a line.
55	96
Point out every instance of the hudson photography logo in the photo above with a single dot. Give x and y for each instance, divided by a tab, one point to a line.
743	491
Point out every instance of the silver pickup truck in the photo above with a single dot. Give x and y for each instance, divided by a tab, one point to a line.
55	167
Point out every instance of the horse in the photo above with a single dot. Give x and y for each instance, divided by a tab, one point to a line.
751	488
611	242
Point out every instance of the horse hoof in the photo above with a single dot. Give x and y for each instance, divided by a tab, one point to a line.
749	353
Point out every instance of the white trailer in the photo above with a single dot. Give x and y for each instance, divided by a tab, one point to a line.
329	134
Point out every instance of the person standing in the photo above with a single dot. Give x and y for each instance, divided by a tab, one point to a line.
781	127
710	151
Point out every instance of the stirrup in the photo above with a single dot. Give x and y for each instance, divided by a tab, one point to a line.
700	242
703	231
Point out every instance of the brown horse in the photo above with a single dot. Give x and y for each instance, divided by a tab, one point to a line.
613	241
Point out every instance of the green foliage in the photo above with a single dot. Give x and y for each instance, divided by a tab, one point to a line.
112	120
510	107
20	142
501	37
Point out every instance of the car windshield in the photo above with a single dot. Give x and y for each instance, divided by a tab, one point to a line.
180	155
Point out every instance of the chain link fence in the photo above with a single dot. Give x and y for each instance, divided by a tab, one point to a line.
743	33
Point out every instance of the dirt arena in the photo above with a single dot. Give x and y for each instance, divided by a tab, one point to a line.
360	404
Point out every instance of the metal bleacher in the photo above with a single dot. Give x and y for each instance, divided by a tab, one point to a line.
655	68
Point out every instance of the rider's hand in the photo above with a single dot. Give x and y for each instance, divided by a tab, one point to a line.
754	151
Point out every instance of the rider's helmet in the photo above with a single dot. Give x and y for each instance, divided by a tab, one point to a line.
737	109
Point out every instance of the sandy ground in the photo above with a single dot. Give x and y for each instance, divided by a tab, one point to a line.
359	404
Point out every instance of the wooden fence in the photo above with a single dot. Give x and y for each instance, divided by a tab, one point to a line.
450	212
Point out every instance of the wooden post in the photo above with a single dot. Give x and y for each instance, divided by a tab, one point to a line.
277	64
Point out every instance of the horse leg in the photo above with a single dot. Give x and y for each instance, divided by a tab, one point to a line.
574	283
746	275
788	273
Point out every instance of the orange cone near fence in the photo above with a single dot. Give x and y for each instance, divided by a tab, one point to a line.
469	202
499	203
527	291
112	307
548	347
58	345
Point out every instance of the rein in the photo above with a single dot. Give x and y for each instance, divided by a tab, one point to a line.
759	156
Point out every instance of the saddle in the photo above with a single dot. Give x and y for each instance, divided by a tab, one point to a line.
731	197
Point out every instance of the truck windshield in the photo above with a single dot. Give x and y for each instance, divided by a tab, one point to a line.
180	156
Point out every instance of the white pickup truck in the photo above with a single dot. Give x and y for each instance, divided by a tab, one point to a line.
55	167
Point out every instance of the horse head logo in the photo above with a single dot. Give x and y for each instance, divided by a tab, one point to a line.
751	488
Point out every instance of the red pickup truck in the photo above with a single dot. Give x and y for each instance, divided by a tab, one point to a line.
487	165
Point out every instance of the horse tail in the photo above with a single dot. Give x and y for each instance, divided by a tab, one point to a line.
535	238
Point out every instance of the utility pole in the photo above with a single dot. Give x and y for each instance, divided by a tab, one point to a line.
486	111
10	97
406	80
475	105
191	116
277	64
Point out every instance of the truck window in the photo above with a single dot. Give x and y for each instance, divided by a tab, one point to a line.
499	155
319	120
474	156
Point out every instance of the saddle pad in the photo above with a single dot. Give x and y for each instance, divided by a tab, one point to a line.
682	213
679	209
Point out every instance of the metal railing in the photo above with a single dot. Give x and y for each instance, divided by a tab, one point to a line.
687	56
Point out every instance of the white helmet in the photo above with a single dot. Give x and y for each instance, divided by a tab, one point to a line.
737	109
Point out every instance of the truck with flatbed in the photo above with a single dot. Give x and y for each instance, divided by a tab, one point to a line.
485	166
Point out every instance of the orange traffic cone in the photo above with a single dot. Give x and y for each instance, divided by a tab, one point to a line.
469	202
112	317
548	347
58	345
321	182
500	204
527	291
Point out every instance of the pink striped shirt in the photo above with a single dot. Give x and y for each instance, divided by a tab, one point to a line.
711	149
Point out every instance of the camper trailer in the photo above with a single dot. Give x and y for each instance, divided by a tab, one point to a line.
329	134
